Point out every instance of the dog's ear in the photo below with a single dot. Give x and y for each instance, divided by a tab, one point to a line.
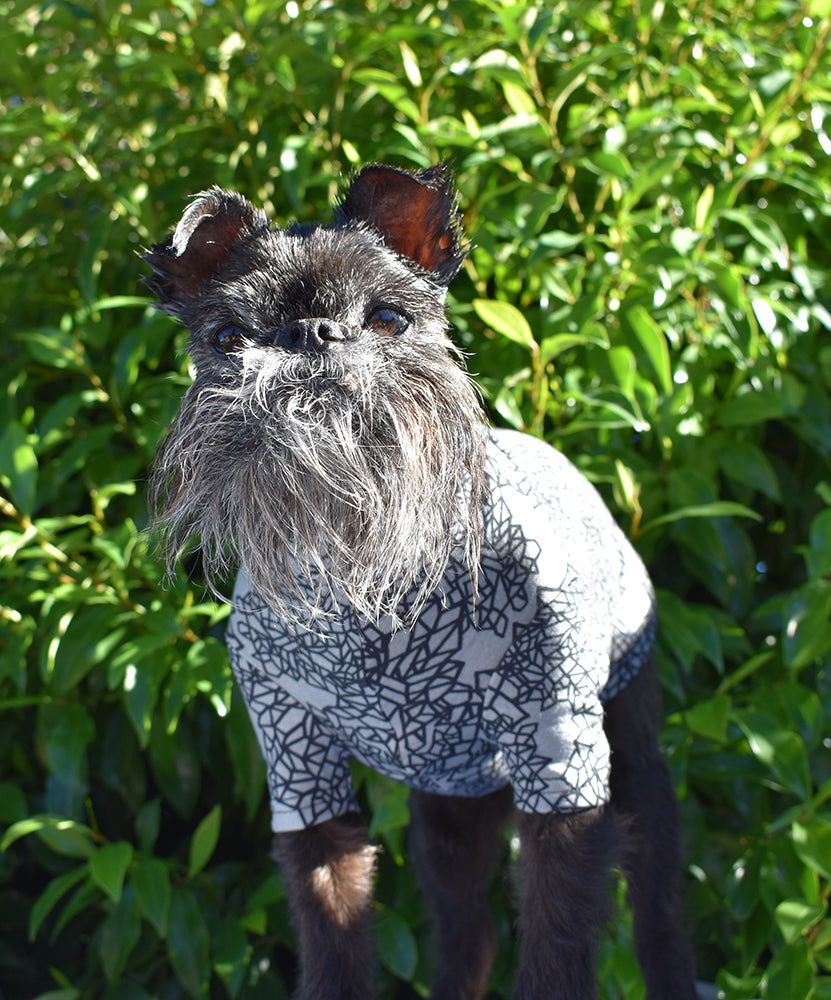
212	224
414	211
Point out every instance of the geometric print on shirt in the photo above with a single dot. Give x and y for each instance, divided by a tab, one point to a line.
462	703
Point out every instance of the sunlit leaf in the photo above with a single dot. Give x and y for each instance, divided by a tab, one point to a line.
19	466
507	320
795	917
722	508
654	343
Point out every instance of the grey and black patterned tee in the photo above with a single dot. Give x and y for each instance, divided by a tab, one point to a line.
465	701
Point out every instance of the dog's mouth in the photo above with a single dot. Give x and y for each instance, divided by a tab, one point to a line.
270	379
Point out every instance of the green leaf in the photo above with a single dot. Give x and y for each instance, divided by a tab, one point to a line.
721	508
763	229
204	841
396	945
752	408
255	921
745	462
92	635
778	749
772	83
812	842
122	766
120	302
807	630
627	489
147	825
55	348
507	320
85	899
146	668
507	407
709	718
19	467
66	732
127	989
232	955
518	98
13	805
410	63
177	767
269	891
64	836
703	206
609	165
188	944
391	812
795	917
108	867
684	240
818	554
743	888
118	935
560	241
553	346
654	342
623	365
151	881
247	757
790	974
690	629
52	895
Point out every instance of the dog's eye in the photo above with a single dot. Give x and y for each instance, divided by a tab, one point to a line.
387	322
228	339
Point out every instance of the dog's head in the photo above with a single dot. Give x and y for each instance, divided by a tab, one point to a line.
330	444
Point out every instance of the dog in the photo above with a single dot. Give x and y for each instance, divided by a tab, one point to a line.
451	604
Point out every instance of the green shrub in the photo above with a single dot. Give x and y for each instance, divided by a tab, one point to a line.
648	191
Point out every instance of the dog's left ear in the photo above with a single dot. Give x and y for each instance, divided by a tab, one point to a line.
414	211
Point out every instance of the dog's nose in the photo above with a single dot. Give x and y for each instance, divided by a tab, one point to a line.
310	335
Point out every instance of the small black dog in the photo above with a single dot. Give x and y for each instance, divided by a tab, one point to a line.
452	605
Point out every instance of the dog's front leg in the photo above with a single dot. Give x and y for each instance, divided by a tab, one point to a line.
455	842
565	901
328	871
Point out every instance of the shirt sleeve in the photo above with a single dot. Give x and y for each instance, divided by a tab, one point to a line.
546	715
308	771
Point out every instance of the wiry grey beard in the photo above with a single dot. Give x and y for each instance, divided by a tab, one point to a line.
326	483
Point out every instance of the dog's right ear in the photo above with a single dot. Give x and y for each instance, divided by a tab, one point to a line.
212	224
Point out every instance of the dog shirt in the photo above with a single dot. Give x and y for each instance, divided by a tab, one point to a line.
466	700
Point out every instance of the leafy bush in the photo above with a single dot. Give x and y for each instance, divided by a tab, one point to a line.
647	189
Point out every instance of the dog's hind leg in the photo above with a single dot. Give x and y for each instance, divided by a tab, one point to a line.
641	789
327	872
455	843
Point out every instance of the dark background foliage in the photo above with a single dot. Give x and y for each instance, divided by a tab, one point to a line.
647	185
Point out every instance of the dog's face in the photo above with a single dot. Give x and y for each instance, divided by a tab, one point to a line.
330	443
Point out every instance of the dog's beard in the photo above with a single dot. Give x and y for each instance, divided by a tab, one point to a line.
328	483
